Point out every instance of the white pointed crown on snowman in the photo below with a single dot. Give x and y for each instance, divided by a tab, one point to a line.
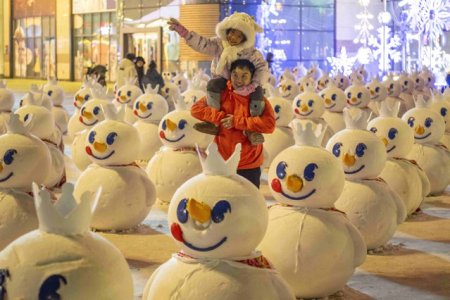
99	92
112	114
15	126
148	90
52	80
388	109
421	102
307	135
130	80
214	164
66	216
356	118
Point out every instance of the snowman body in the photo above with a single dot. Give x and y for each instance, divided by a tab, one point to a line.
171	93
442	107
192	95
56	95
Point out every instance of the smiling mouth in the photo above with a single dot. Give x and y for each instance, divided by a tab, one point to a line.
89	151
123	102
87	124
422	137
277	118
356	171
173	141
298	198
142	117
354	104
331	106
389	150
305	115
189	245
7	177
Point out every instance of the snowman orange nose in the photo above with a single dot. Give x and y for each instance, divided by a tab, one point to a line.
420	130
123	97
372	92
199	211
100	147
87	115
354	100
142	107
327	101
294	183
385	141
171	125
349	160
304	108
1	167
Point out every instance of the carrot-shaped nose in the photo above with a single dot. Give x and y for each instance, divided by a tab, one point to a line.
199	211
349	160
294	183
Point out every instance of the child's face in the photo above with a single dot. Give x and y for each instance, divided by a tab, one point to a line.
240	77
235	37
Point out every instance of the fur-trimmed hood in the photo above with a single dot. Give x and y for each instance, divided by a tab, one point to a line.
242	22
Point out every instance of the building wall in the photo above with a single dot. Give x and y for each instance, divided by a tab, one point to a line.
63	40
5	35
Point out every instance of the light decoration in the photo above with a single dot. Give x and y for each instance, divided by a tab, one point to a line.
385	48
342	63
438	61
364	28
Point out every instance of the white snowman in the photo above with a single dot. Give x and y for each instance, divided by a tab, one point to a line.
202	77
407	90
378	93
362	73
6	105
171	93
167	76
309	107
24	159
63	259
368	201
323	81
288	74
420	89
432	157
429	78
341	81
282	136
40	122
357	95
81	96
441	106
402	175
181	81
307	238
217	219
91	113
314	72
287	87
306	83
126	96
335	101
177	160
194	92
150	108
38	96
128	195
394	89
299	70
56	95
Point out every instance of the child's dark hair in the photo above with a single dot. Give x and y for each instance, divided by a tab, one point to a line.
243	63
229	29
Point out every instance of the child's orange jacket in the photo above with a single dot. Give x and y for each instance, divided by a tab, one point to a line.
226	140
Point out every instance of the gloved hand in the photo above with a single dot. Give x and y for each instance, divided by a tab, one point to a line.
245	90
177	27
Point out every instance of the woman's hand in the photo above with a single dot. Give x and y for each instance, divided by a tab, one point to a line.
176	26
227	122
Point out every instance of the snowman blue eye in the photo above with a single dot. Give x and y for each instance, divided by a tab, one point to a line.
359	95
96	110
349	95
194	98
129	93
337	149
9	156
411	121
392	133
119	93
277	108
21	103
298	103
428	122
374	130
310	103
333	97
308	173
111	138
377	89
163	125
149	105
182	213
26	117
49	93
219	210
51	285
281	169
182	124
360	148
92	137
443	111
136	105
86	98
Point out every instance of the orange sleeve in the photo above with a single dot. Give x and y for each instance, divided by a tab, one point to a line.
203	112
262	124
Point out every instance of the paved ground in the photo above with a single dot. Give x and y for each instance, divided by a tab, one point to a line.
417	266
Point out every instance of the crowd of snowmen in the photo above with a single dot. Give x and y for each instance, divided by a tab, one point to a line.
349	160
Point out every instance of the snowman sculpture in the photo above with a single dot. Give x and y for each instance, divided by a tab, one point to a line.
309	107
429	79
404	177
368	201
24	159
357	95
378	93
314	72
335	102
177	160
362	73
40	122
217	219
128	194
407	90
394	88
6	105
307	84
194	92
171	93
38	95
428	152
150	108
312	244
126	96
56	95
287	87
441	106
81	97
181	81
323	81
91	113
63	259
419	86
341	81
282	136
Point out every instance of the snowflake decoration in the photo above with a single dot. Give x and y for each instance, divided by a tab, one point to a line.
364	27
342	64
435	59
385	48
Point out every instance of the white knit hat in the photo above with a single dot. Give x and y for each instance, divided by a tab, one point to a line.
242	22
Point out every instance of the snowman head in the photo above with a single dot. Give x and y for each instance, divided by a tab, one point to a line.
37	119
193	93
419	82
288	89
181	81
377	90
442	107
91	112
341	81
362	154
308	105
307	84
170	91
54	92
428	77
299	70
334	98
287	74
271	80
128	93
406	82
314	72
305	174
113	141
40	97
323	81
150	107
24	159
395	134
393	87
361	72
281	107
205	209
83	95
6	97
167	76
428	124
357	95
